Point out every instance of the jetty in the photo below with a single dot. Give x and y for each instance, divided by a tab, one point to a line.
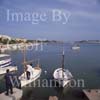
15	96
92	94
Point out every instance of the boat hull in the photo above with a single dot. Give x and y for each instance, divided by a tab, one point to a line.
23	77
75	48
62	80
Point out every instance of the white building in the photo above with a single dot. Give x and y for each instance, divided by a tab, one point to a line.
5	37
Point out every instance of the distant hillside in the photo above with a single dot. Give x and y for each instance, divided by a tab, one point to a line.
89	41
4	39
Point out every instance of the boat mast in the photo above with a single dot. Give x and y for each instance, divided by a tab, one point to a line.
63	63
24	57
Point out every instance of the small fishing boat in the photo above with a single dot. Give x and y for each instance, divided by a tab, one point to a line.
5	63
61	75
35	72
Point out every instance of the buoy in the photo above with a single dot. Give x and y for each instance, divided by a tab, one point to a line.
45	72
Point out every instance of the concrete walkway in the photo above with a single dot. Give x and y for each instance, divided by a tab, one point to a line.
92	94
15	96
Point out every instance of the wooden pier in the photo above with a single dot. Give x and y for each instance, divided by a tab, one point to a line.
92	94
15	96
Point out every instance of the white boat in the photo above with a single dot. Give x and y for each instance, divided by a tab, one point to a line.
63	79
35	74
5	63
62	76
76	47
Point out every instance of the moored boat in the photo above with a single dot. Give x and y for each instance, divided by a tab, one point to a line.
76	47
61	75
5	63
33	73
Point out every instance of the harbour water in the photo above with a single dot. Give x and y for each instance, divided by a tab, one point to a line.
83	64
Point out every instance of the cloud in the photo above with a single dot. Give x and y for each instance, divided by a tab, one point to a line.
85	17
80	2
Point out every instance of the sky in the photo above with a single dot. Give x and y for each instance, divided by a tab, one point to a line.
82	19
